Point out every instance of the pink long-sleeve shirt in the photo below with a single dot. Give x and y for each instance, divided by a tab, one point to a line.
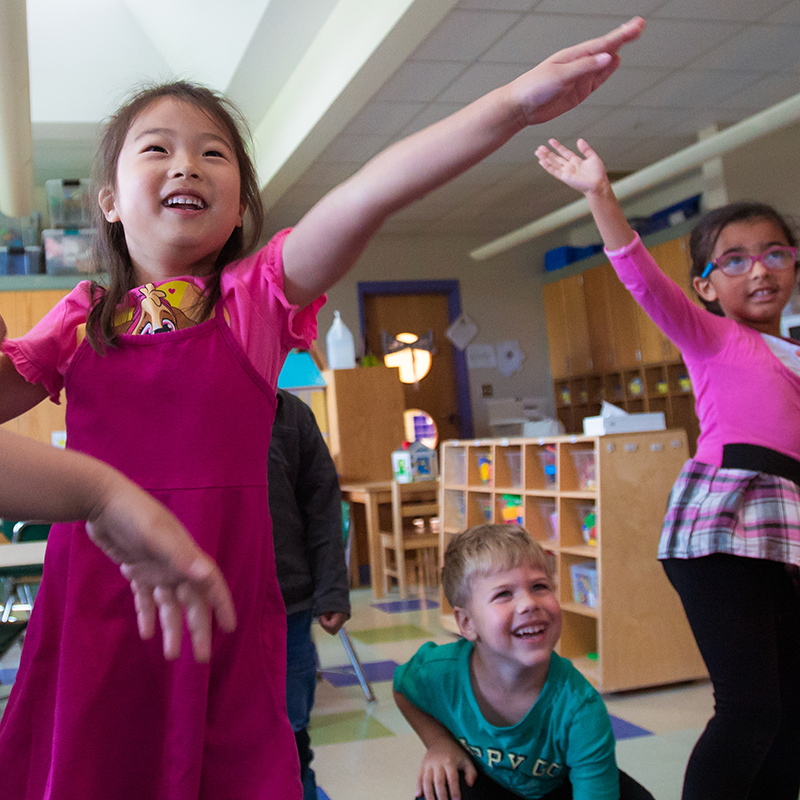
746	384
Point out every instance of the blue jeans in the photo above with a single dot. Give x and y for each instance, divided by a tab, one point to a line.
301	683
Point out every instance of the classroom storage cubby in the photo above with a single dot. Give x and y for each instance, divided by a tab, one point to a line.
596	504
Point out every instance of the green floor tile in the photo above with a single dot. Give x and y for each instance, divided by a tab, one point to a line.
346	726
395	633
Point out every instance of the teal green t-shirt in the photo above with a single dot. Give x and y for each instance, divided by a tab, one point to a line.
566	732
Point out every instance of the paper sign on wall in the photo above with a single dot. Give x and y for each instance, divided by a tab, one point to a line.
481	356
509	357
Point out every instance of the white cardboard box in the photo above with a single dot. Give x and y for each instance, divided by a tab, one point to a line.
624	423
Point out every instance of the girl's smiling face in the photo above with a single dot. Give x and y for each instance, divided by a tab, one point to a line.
177	191
757	298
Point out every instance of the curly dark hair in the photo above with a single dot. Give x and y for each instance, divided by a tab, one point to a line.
704	237
110	250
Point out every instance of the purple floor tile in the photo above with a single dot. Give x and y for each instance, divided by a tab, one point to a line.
397	606
375	672
627	730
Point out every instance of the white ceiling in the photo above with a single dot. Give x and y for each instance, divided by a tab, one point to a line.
326	84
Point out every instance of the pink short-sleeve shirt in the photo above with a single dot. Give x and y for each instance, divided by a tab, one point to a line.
262	320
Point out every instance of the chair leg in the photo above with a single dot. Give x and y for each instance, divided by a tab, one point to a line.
402	576
384	566
357	668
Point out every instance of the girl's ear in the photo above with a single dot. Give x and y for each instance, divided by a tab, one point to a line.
705	289
107	205
242	212
464	621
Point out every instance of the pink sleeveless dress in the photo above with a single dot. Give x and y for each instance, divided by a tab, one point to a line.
96	712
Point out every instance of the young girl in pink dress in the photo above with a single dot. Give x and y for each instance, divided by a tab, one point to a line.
730	544
187	414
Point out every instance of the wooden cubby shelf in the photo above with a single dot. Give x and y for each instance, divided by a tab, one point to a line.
595	503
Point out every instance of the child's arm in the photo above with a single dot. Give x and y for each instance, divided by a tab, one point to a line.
329	239
693	330
588	175
16	395
444	757
167	570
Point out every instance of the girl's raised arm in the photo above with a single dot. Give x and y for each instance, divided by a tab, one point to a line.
329	239
588	176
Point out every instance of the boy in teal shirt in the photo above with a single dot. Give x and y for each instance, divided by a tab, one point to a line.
501	714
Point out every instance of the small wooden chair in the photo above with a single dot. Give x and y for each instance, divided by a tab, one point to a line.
413	542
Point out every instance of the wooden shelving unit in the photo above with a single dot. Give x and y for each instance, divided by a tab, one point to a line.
652	387
635	634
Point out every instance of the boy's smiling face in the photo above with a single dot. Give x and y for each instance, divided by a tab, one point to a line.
513	617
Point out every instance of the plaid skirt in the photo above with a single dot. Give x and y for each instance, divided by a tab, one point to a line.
736	511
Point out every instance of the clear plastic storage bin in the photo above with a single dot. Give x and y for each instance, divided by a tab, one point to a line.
584	583
514	458
547	508
585	469
484	502
20	260
548	459
68	203
67	252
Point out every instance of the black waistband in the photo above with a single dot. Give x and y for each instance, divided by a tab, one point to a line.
760	459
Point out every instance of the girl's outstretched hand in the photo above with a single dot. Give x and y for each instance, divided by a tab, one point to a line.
568	77
168	572
587	174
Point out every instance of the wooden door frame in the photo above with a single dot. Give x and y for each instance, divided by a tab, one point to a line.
452	290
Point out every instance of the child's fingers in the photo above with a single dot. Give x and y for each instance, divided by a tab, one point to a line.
607	43
452	783
470	773
585	148
209	581
145	609
562	150
198	620
171	618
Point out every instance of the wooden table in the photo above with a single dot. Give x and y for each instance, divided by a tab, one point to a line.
372	496
24	555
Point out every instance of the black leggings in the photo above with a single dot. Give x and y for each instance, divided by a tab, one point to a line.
485	788
745	616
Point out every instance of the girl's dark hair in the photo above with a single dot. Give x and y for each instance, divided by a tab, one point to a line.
110	250
703	238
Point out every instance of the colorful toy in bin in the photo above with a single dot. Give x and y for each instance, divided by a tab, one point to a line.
584	583
485	506
485	468
511	509
589	528
548	458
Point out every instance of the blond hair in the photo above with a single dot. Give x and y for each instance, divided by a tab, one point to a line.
484	549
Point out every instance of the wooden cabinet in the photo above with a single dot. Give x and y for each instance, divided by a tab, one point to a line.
632	363
365	421
567	326
21	310
623	624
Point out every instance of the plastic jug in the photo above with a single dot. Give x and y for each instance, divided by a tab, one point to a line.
340	346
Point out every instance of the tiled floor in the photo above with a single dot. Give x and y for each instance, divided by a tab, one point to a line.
365	751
